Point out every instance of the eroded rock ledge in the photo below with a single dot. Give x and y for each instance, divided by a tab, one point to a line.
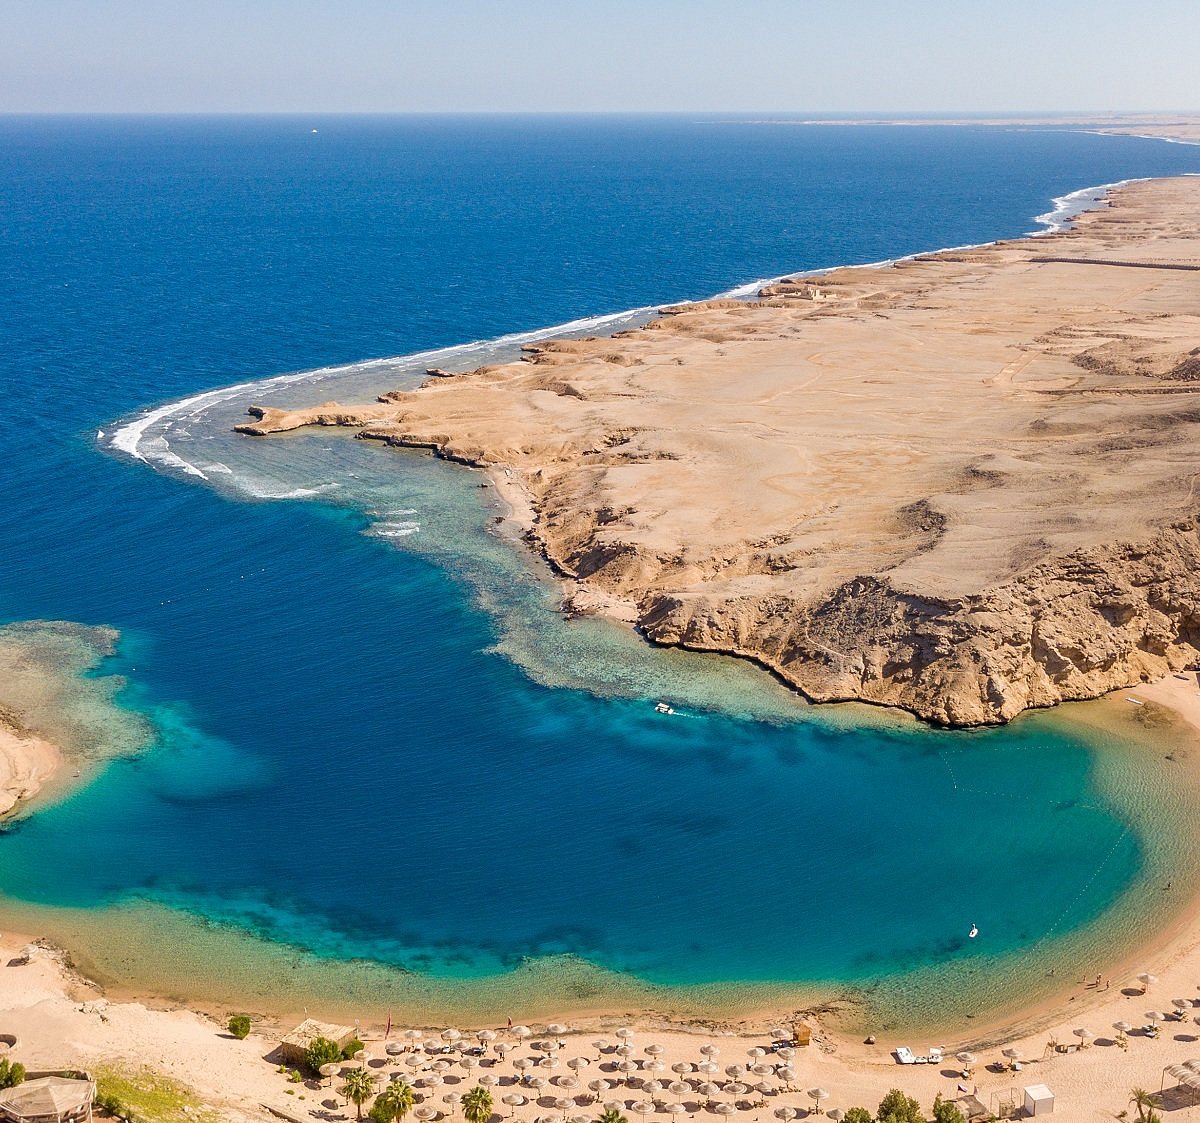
965	485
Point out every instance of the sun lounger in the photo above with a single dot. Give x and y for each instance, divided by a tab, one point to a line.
905	1055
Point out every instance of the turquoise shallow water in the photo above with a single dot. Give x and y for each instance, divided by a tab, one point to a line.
371	734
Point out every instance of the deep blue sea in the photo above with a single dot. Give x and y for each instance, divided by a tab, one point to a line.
373	735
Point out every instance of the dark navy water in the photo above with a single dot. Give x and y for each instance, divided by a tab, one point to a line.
343	758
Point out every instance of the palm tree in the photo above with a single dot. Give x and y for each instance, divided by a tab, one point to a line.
1143	1101
477	1105
359	1087
394	1103
612	1115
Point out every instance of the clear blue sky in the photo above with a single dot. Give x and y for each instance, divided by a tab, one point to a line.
561	55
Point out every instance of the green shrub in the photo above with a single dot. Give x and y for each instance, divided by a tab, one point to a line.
857	1115
239	1026
352	1047
896	1107
322	1051
12	1073
946	1111
114	1105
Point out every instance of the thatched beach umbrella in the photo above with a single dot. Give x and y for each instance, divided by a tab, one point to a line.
414	1060
580	1119
503	1048
653	1066
735	1089
393	1049
653	1049
549	1062
652	1087
431	1080
521	1031
1147	980
762	1070
1084	1035
785	1113
763	1088
709	1068
568	1082
1155	1016
642	1107
563	1103
451	1035
735	1071
483	1036
779	1033
600	1045
724	1108
536	1082
627	1066
710	1051
625	1032
440	1066
414	1034
624	1050
523	1063
818	1097
674	1109
836	1114
329	1071
452	1098
578	1063
756	1053
557	1029
1181	1004
488	1080
469	1062
1013	1054
786	1052
614	1105
1122	1028
425	1112
678	1088
709	1089
681	1067
598	1087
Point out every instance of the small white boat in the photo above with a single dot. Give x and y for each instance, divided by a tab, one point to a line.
1135	701
973	933
663	708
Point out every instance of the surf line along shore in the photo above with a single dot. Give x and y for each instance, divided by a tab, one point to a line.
963	485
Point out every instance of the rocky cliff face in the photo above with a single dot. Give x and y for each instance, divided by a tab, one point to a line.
1070	628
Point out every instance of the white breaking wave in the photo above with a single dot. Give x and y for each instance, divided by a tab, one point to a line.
260	492
1074	203
394	529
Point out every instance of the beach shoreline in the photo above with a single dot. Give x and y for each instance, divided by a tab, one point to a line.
62	1017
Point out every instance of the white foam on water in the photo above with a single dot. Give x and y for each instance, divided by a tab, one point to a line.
1074	203
265	491
396	529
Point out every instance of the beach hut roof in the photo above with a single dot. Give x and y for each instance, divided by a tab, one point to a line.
49	1098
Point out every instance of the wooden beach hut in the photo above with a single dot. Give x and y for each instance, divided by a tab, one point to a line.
48	1099
293	1046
